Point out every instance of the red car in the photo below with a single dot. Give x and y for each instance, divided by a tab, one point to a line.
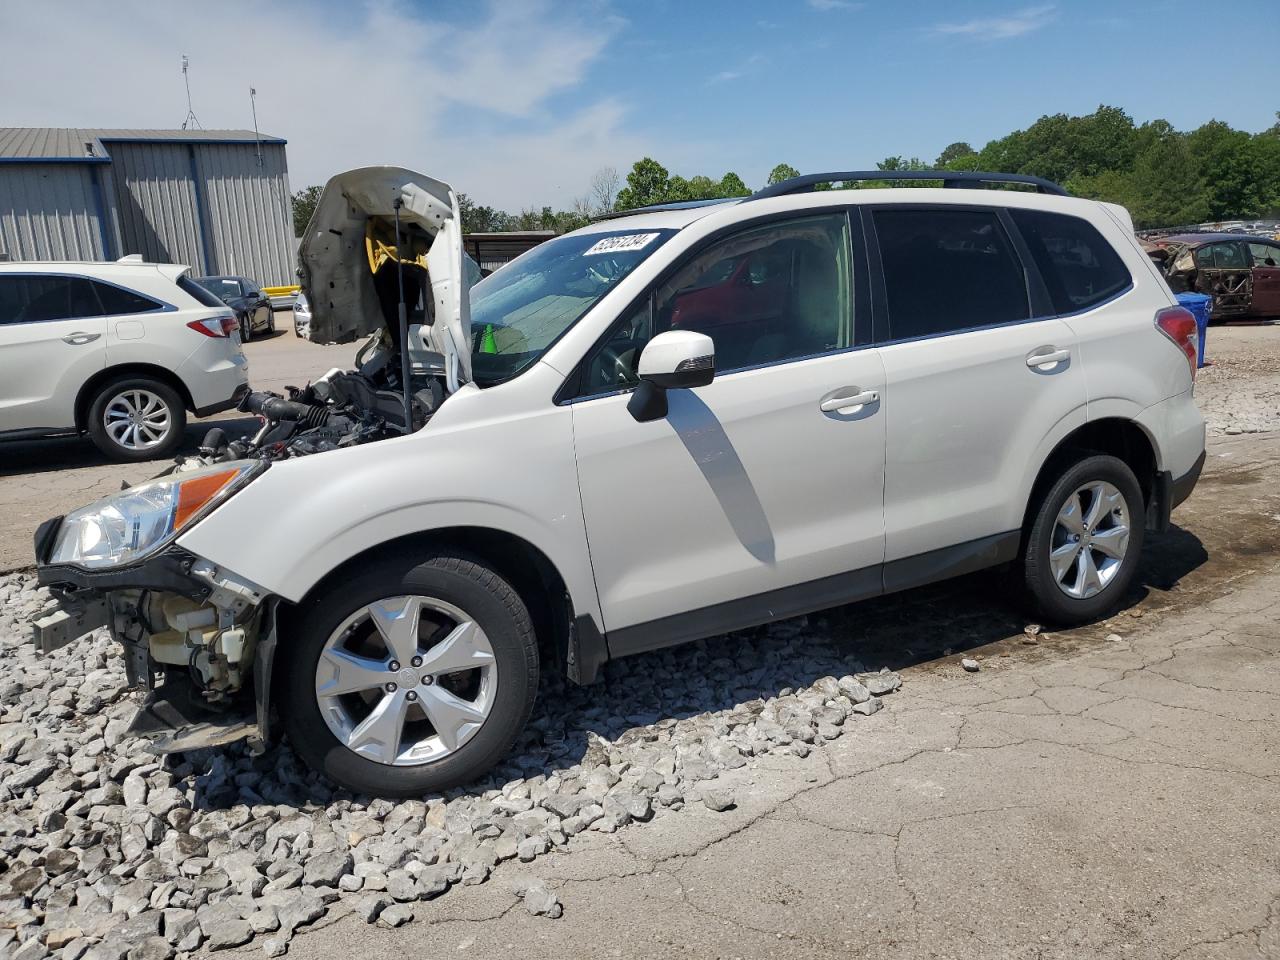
1241	273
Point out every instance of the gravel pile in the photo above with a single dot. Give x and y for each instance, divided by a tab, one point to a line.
107	852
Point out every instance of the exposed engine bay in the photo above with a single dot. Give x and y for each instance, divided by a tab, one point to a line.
382	258
342	408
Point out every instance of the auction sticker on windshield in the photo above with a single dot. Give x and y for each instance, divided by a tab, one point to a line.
629	241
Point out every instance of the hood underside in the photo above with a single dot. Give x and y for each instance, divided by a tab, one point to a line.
350	263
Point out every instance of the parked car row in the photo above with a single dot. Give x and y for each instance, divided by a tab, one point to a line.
121	352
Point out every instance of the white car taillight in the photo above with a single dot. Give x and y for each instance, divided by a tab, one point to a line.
214	326
1179	325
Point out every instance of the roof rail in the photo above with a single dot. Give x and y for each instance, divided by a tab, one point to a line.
954	179
660	207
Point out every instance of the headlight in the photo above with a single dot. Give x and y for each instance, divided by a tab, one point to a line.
133	523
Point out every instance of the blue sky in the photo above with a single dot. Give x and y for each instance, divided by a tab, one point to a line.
518	102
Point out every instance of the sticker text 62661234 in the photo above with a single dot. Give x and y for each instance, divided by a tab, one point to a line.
628	241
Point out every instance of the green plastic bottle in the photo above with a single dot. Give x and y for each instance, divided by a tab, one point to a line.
487	344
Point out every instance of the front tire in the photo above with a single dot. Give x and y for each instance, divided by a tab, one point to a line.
1084	542
137	418
409	680
246	328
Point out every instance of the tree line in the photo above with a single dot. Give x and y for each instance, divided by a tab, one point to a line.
1164	176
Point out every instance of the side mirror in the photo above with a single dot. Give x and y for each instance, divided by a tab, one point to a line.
675	360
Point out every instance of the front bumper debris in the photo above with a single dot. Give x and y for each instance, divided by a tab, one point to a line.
67	620
198	639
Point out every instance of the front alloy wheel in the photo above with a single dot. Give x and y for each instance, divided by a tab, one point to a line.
401	679
406	680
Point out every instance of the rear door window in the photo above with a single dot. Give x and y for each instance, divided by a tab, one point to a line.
117	301
948	270
35	298
1079	267
1264	255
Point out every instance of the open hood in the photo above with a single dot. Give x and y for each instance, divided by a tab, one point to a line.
349	271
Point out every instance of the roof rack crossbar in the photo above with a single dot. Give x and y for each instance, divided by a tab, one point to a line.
661	207
973	180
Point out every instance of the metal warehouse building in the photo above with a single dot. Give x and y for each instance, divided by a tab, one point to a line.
217	200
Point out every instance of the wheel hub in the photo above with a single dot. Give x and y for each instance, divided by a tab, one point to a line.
1090	540
402	715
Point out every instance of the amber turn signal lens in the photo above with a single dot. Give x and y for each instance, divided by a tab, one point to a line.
194	494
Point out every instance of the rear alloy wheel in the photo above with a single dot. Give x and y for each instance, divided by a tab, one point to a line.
246	328
1085	541
411	681
137	419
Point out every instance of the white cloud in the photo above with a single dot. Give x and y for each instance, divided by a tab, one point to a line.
825	5
346	85
747	66
1016	24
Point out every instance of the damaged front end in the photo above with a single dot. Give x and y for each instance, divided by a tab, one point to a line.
197	638
382	260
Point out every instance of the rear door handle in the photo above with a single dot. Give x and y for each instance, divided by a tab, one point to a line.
1039	359
845	399
77	339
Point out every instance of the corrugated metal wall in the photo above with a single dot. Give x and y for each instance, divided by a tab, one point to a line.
48	212
210	206
250	212
156	200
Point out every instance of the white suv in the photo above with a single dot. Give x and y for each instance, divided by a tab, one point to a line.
663	426
120	351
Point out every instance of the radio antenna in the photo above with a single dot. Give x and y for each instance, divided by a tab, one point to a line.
191	114
257	137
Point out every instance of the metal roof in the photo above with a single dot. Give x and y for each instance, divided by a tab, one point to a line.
68	144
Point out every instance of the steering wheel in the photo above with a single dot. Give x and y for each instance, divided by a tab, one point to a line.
611	366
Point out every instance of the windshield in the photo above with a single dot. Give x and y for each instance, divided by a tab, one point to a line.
522	308
222	287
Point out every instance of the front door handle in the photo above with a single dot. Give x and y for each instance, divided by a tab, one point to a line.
846	399
1046	356
77	339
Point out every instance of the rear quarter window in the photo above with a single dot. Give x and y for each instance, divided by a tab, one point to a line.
117	301
199	293
1080	269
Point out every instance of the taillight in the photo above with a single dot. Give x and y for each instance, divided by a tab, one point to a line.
214	326
1179	325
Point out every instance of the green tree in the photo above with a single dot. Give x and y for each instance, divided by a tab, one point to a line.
1230	161
783	171
647	183
731	185
953	152
304	205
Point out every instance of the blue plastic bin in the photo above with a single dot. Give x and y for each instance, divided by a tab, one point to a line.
1198	304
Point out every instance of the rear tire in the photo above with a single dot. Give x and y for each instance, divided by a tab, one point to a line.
246	328
137	418
1084	542
344	668
271	323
